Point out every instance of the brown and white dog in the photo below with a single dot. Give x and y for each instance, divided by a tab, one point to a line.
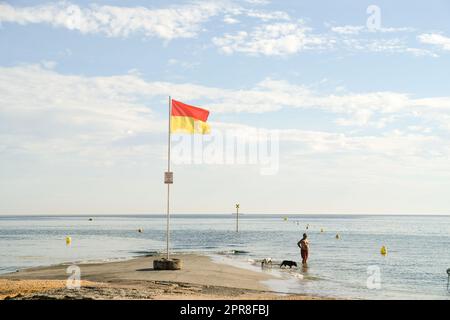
266	261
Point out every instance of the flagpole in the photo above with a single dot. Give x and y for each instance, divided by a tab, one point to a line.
168	185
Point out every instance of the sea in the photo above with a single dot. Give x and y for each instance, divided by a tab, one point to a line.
345	259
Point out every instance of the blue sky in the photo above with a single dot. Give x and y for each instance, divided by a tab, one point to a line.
362	112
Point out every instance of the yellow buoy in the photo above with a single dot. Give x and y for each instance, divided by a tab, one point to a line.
383	250
68	240
321	230
285	218
338	236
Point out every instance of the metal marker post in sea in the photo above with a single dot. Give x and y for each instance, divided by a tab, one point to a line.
237	217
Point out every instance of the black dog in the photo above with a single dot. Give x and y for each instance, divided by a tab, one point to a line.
287	263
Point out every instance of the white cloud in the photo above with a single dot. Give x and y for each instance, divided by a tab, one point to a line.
46	112
182	21
41	107
272	95
347	29
357	29
288	38
230	20
393	29
392	45
267	16
435	39
388	144
418	143
282	38
258	2
360	38
421	52
167	23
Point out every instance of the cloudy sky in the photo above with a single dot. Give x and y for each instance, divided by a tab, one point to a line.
358	94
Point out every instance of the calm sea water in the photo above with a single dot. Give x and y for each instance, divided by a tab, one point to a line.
415	267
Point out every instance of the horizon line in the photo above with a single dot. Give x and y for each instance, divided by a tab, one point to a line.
222	213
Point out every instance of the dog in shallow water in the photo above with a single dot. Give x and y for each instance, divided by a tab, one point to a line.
288	263
266	261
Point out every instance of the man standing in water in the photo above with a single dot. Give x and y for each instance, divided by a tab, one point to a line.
304	248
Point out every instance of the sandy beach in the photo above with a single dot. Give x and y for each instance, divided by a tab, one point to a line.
200	279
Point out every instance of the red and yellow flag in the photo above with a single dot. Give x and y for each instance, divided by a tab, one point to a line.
188	119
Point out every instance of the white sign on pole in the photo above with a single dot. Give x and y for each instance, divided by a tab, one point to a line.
168	177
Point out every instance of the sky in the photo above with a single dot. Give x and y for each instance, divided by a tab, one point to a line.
351	99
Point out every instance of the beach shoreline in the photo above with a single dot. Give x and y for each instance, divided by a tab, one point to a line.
201	278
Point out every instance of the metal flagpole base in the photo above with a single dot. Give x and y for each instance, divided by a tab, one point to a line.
167	264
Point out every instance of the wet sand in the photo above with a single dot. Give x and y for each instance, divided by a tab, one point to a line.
200	278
